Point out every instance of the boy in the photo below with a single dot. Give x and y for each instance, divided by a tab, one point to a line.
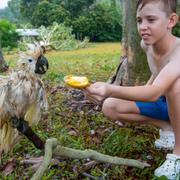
157	102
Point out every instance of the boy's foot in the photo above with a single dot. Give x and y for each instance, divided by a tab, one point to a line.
166	140
170	168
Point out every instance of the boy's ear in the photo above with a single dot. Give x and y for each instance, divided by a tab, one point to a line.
173	19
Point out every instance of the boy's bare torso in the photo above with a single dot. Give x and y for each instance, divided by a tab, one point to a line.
156	64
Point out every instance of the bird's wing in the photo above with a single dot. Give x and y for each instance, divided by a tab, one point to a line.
33	113
3	94
3	112
42	99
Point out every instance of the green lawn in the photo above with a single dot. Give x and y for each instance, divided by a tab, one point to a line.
81	126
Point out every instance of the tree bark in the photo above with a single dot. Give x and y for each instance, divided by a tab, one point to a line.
3	64
178	7
133	67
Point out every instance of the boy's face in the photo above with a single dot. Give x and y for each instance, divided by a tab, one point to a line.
152	22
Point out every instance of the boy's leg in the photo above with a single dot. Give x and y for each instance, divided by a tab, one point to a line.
173	99
127	111
171	167
122	110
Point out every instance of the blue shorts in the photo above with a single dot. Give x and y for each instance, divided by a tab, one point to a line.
156	109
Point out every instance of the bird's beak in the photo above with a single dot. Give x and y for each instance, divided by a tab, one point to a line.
42	65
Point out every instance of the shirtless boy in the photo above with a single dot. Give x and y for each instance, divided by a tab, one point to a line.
157	102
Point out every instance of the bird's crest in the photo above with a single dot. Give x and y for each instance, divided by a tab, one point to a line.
37	51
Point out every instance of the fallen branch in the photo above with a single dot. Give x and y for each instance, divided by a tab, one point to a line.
49	146
59	150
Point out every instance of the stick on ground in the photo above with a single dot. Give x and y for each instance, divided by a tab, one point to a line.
52	148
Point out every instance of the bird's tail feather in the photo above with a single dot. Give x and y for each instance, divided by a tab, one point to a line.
8	137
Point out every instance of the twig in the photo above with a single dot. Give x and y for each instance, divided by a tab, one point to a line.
91	177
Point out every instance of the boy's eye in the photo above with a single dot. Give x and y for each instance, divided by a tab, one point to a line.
151	20
30	60
139	21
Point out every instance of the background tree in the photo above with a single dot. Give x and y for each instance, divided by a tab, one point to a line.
14	6
46	13
6	14
12	12
99	20
100	23
76	7
27	8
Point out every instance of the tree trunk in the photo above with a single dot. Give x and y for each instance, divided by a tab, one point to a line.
133	68
178	7
3	64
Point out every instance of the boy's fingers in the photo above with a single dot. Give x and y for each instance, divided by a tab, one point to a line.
87	90
93	99
90	98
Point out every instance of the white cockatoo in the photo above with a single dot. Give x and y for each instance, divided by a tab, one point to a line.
22	97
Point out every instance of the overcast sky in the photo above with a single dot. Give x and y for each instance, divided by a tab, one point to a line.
3	3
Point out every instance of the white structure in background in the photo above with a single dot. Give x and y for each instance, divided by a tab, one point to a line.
30	33
27	32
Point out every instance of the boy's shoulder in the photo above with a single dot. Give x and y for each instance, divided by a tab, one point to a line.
178	43
175	53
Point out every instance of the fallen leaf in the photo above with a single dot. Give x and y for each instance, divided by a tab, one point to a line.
9	167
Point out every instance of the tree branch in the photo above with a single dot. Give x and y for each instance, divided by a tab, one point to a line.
49	146
80	154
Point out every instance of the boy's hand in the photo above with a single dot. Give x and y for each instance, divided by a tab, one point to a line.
96	92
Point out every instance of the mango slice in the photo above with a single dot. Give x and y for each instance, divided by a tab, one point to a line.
76	81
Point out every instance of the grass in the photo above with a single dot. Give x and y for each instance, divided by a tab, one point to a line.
74	128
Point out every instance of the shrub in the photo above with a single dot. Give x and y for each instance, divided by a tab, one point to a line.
8	35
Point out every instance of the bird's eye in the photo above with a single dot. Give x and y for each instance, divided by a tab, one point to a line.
30	60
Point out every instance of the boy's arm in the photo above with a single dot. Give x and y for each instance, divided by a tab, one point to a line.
136	93
99	91
167	76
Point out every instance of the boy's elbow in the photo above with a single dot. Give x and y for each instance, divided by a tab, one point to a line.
154	98
156	94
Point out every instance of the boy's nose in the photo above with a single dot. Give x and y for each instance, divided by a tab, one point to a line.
143	26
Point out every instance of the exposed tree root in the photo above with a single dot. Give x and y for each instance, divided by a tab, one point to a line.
53	148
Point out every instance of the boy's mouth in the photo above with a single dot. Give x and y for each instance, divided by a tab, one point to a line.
145	36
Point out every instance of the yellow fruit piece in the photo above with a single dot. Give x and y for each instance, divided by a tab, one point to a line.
76	81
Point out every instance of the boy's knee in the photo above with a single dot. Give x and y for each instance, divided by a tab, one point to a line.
108	107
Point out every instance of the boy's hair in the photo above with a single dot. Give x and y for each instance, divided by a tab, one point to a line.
169	5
